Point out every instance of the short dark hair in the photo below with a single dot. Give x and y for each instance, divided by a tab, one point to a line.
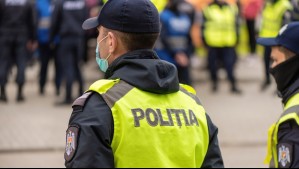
288	54
135	41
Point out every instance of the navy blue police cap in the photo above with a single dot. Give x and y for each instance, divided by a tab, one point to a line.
130	16
288	37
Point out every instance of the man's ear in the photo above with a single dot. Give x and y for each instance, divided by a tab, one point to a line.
113	43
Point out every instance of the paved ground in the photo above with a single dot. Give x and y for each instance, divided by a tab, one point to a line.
32	134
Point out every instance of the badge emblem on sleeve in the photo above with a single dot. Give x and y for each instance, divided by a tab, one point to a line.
71	142
284	155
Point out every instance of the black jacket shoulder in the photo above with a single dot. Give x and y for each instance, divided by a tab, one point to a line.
213	157
96	132
288	135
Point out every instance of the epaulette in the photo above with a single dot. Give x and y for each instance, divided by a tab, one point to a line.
79	103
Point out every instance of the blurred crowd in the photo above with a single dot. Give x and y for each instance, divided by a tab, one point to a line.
45	30
51	30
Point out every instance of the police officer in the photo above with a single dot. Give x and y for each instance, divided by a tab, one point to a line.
67	18
17	38
295	12
220	32
174	45
283	144
187	8
250	12
46	51
275	14
139	116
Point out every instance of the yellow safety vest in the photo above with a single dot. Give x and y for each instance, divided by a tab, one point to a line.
154	130
272	18
160	4
291	112
105	1
220	26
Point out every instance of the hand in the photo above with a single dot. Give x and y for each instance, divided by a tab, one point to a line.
53	46
182	59
32	45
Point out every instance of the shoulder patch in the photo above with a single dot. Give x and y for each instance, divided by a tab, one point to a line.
80	102
71	142
285	155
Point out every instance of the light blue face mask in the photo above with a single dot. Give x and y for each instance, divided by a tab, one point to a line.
103	63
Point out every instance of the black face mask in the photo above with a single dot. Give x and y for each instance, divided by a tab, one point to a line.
286	73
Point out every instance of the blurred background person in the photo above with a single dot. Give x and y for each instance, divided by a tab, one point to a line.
283	142
295	12
187	8
66	22
250	11
275	14
94	7
220	33
173	45
45	49
17	39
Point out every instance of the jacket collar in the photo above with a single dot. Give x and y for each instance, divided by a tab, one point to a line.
144	70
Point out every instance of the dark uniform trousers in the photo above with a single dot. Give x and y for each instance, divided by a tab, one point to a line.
70	54
228	57
267	62
250	23
13	50
184	72
46	53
